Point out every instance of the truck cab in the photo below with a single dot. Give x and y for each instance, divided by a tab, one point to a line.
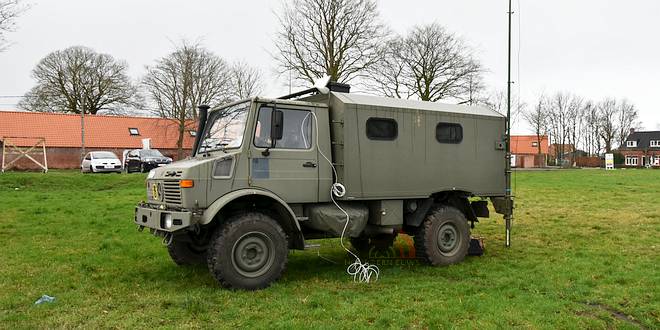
261	177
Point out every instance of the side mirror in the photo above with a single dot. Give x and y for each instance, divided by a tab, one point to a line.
276	126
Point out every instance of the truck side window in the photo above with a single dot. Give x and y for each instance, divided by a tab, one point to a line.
297	129
382	129
449	133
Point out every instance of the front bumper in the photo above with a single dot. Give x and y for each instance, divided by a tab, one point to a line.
155	164
154	218
107	168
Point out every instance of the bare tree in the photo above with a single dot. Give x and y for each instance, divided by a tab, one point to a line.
9	11
430	64
627	117
561	107
188	77
246	81
607	110
592	139
476	90
537	119
496	100
574	125
340	38
387	76
79	79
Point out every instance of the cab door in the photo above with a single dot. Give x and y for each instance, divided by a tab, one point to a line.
288	166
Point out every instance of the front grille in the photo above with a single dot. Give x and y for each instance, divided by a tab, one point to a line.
171	192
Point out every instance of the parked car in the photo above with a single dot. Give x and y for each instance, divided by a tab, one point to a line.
143	160
100	161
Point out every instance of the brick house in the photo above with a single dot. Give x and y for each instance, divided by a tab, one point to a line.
62	134
641	149
525	151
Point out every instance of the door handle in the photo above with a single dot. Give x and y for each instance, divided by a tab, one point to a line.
309	164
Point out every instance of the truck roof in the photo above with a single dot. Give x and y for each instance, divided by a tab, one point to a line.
389	102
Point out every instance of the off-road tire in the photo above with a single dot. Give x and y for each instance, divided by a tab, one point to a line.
443	237
380	243
245	239
184	253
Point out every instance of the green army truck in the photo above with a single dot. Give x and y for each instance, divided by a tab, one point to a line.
260	178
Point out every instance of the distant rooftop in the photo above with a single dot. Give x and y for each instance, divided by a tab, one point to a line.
101	131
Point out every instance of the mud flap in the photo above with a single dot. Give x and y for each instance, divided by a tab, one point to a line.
476	247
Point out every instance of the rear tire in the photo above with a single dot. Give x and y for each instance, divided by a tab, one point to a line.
444	237
248	252
184	253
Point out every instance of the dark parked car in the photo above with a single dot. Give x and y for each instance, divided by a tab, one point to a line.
143	160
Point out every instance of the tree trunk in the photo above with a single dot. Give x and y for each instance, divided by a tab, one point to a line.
179	142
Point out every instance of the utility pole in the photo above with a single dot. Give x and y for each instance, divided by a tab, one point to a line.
82	130
507	194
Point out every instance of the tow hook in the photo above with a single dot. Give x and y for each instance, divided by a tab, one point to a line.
167	237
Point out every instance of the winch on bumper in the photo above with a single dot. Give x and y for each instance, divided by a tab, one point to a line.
161	219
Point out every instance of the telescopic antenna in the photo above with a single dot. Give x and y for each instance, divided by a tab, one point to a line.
508	216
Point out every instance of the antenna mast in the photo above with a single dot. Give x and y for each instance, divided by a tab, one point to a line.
507	194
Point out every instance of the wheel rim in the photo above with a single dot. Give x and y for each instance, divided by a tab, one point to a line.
252	254
448	239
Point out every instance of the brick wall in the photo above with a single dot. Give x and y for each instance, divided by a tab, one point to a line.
530	160
589	162
70	158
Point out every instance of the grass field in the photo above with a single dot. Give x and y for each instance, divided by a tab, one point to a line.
585	254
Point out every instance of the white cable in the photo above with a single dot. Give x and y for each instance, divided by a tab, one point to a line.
361	271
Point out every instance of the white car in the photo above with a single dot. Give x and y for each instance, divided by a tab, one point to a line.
100	161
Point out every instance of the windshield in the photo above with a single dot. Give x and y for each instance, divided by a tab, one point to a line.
103	155
150	153
225	128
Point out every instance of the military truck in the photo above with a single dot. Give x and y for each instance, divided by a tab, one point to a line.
259	181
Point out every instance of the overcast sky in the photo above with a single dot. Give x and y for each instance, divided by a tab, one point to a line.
595	48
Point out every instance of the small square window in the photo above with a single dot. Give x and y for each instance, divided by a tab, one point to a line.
449	133
382	129
631	144
535	144
133	131
192	133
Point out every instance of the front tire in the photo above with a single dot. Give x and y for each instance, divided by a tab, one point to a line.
249	252
184	253
443	237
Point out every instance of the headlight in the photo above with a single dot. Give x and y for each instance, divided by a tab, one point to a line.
151	174
168	221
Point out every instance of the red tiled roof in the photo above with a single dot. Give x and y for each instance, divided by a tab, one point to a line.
63	130
522	144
